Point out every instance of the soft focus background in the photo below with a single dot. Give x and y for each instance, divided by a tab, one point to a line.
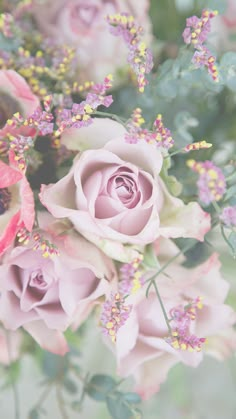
209	391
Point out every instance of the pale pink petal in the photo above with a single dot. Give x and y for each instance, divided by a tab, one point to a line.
152	374
180	220
10	233
94	136
51	340
15	85
8	175
27	205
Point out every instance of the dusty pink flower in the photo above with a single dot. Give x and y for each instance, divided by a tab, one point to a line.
47	295
16	204
114	191
10	343
82	24
142	345
15	96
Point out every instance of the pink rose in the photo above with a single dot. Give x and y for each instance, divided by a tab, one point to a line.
142	349
16	203
15	96
10	343
224	28
114	191
47	295
81	23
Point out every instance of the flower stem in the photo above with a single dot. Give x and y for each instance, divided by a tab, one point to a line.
162	306
152	281
61	403
110	115
42	398
13	384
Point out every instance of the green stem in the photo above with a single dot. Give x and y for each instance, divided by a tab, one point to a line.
182	251
110	115
153	283
42	398
162	306
216	207
226	239
13	384
61	403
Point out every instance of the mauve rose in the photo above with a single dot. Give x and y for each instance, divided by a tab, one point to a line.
10	343
15	96
16	203
47	295
81	23
114	192
141	347
224	28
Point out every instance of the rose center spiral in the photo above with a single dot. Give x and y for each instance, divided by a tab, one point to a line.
37	280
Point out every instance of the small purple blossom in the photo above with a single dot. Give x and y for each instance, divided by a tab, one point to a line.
196	33
139	56
160	136
131	277
180	320
211	183
228	216
114	315
80	113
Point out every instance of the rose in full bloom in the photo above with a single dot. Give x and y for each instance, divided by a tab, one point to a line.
82	24
114	191
224	28
142	347
15	96
47	295
10	343
16	203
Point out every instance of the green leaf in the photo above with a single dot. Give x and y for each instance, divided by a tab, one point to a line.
54	366
232	241
34	414
9	44
75	405
118	407
70	386
132	398
228	70
99	386
150	258
231	192
219	5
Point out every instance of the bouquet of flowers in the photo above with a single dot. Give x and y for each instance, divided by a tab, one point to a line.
117	184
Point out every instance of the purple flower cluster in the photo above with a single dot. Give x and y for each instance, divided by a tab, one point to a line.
131	277
80	113
160	136
211	183
195	33
139	56
228	216
114	315
181	318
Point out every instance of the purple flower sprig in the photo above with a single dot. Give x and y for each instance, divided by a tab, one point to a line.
180	320
196	33
211	183
139	56
80	114
160	135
